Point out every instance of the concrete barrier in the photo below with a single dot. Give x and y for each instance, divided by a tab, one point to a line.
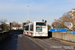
64	36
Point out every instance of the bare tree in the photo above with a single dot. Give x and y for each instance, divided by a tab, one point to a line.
61	20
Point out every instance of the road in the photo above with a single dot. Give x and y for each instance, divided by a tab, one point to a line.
22	42
49	44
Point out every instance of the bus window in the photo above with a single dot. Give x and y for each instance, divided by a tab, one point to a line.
27	27
31	27
41	24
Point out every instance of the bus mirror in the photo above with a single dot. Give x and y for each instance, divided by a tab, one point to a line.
45	21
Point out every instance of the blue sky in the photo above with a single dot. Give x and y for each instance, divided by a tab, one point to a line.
17	10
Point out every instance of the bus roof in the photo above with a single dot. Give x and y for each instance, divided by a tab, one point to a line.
33	22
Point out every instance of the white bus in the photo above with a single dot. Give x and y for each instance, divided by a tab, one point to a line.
36	29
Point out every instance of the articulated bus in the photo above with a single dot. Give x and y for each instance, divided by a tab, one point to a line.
36	29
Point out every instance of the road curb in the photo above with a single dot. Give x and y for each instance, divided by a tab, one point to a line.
64	41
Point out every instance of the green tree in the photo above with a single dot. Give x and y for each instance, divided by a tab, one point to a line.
5	27
24	24
48	27
74	28
43	20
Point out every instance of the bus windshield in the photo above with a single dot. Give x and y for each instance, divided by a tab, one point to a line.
41	24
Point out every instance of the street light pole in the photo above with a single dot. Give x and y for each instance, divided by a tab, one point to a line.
28	13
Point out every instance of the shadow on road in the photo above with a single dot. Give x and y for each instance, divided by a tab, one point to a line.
10	43
49	34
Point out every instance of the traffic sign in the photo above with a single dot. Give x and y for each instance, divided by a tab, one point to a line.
58	30
72	31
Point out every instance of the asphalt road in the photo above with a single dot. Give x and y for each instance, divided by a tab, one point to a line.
50	44
22	42
26	44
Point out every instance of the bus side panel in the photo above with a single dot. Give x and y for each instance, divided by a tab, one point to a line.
34	29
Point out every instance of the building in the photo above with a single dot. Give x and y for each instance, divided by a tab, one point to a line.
71	15
73	12
20	25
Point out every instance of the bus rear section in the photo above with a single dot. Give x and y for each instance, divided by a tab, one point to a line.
41	29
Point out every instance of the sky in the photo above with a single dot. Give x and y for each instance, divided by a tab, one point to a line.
17	10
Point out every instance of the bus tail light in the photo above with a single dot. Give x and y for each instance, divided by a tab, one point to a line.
31	33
